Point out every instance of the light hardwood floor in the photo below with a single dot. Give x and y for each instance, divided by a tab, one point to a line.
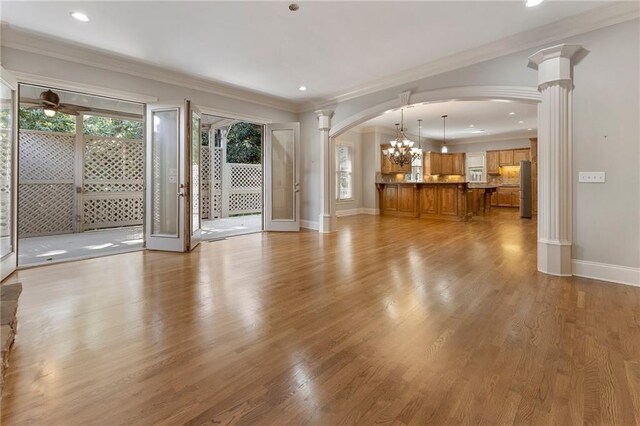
390	320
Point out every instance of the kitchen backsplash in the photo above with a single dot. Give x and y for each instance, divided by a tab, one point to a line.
509	175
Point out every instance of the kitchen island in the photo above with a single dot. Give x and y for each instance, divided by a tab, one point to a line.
432	199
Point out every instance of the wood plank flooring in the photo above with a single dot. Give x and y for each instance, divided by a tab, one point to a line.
393	321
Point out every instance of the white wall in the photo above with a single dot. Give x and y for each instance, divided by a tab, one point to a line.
490	145
606	217
606	225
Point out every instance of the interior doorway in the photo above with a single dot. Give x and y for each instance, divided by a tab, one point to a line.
80	176
232	177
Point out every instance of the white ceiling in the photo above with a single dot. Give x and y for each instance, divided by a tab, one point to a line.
491	116
328	46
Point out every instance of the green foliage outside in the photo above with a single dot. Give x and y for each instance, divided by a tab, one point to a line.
34	119
244	144
112	127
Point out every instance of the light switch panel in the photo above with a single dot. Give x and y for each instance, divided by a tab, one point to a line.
592	177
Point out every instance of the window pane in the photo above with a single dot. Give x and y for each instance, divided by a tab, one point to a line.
282	172
165	173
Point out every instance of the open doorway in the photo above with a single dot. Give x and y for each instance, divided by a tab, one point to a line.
232	176
474	160
81	176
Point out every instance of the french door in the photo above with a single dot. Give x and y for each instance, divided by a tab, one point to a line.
8	173
172	193
282	177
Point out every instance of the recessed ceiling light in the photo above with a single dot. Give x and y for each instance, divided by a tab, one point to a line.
79	16
302	88
478	131
520	122
293	7
529	129
512	113
471	125
533	3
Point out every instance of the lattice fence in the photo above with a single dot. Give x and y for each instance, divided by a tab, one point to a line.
113	182
46	196
205	162
216	183
245	188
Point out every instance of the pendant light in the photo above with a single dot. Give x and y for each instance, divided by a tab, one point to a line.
444	149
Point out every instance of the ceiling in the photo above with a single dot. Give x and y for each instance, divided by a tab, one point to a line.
491	116
330	47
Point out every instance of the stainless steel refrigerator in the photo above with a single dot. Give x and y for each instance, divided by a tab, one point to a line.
526	199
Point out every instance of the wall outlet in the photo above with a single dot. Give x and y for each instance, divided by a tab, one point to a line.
592	177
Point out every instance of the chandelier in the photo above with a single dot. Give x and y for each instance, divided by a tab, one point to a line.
402	150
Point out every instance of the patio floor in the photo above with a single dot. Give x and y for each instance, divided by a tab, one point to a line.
213	229
55	248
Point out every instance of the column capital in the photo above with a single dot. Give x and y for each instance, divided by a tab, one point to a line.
554	63
324	118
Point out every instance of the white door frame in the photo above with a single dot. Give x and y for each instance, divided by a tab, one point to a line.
263	122
9	262
271	224
171	242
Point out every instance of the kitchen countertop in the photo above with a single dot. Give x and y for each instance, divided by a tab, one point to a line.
420	183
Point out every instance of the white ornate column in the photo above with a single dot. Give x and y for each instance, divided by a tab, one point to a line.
555	158
326	221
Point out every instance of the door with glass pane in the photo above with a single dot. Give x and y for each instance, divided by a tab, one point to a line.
168	225
281	177
8	173
194	180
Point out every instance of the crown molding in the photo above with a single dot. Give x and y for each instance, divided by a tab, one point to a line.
31	42
483	139
605	16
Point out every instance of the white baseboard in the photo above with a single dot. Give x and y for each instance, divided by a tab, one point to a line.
353	212
308	224
370	211
606	272
346	212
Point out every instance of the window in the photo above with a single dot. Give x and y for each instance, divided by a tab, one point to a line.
416	168
344	170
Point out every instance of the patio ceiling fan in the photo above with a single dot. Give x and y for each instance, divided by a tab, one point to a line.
50	102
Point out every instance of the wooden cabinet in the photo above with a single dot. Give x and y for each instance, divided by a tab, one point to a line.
494	199
520	155
507	197
515	198
506	158
448	200
458	164
434	200
432	162
406	198
443	164
429	199
447	164
493	162
387	167
390	198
